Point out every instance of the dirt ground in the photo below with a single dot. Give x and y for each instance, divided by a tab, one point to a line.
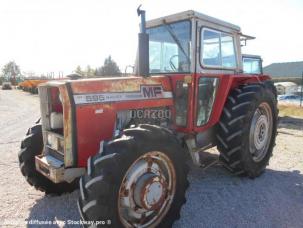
215	198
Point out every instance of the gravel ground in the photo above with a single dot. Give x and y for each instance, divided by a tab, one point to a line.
215	198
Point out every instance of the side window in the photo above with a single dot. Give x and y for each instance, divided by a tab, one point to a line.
181	103
218	49
211	48
228	51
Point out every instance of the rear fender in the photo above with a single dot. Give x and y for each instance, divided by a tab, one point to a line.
227	83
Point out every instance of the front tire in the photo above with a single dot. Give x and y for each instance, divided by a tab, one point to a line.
140	179
247	129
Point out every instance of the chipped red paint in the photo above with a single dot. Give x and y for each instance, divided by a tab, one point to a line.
67	127
118	84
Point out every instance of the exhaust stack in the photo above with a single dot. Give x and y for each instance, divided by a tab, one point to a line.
143	46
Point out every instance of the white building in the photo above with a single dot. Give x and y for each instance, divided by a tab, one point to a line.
286	87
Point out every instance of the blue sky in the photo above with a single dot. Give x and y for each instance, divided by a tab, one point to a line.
57	35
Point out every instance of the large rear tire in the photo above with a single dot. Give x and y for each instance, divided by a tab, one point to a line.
140	177
31	146
247	129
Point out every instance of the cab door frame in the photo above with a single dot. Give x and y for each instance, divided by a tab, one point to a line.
223	74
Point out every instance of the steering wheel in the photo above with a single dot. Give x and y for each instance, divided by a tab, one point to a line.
172	65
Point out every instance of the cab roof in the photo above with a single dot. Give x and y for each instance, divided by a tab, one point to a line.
189	14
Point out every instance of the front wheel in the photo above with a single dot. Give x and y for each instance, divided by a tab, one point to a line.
141	181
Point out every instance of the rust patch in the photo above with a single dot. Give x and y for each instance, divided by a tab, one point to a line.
121	84
67	127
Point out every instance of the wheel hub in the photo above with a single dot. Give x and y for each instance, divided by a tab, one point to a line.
150	191
260	132
147	190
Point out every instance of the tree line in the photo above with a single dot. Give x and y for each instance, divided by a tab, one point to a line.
11	71
109	68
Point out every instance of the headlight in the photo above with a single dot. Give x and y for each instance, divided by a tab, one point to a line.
56	120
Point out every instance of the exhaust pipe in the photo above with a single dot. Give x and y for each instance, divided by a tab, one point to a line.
143	46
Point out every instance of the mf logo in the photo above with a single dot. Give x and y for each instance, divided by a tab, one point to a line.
151	91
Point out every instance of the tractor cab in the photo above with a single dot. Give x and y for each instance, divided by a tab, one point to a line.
202	57
192	42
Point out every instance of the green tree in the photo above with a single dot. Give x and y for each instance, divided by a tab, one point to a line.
11	70
89	72
79	71
1	80
109	68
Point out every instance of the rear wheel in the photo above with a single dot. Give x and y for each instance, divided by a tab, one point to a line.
31	146
140	181
247	129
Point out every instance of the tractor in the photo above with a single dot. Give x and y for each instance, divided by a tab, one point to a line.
126	142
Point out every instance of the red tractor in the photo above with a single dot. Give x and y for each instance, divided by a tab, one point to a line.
127	139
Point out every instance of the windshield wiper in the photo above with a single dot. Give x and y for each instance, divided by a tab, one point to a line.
177	41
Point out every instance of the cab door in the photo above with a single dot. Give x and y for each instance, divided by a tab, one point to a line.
217	60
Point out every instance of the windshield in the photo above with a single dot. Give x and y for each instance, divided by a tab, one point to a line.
169	48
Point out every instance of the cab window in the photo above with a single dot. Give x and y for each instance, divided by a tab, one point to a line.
218	49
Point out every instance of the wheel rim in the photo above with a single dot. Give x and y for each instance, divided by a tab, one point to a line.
147	190
260	132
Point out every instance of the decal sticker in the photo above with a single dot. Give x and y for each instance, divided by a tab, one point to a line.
146	92
98	111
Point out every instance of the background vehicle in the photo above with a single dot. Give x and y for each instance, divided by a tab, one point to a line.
6	86
128	137
31	85
288	97
252	64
